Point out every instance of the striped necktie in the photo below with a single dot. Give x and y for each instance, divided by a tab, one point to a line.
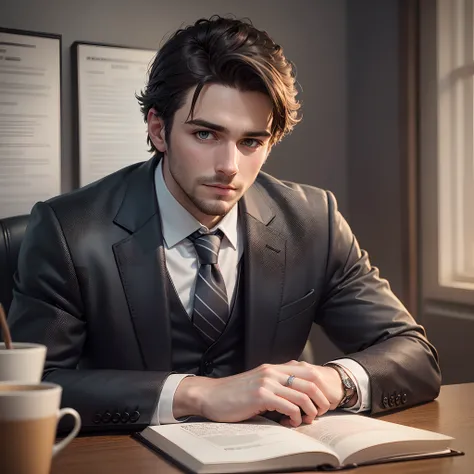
211	307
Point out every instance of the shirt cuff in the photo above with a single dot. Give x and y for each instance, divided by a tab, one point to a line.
362	382
164	411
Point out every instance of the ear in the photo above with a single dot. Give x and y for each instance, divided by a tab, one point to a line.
156	130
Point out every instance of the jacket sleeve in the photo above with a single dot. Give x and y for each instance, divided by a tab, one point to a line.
363	317
47	309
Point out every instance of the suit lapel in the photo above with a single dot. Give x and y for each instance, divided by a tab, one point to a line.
141	262
264	267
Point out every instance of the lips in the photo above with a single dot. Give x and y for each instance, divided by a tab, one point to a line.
222	189
222	186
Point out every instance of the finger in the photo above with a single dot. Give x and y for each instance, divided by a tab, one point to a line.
308	409
272	402
323	390
285	421
311	390
300	399
314	393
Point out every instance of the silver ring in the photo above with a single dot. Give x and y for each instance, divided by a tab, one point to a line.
289	381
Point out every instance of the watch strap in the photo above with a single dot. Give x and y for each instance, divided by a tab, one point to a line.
348	384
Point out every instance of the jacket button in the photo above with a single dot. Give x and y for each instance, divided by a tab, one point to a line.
125	417
404	398
391	400
385	402
208	367
398	399
116	417
135	416
106	417
97	418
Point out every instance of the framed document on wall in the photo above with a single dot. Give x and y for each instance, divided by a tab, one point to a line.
30	119
110	130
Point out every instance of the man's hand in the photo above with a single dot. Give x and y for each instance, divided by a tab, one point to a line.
315	390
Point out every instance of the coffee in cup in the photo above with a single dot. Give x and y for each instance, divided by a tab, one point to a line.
24	363
29	415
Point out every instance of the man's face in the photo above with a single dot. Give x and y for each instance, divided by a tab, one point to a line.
215	156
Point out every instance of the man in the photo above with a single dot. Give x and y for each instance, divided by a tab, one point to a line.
188	284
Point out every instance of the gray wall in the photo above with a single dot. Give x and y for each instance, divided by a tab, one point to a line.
373	138
346	52
372	142
311	32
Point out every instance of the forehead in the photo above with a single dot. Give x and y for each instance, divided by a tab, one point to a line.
229	107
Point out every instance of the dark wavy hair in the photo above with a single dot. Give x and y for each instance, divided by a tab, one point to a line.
222	51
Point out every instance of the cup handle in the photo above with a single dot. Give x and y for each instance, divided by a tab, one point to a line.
77	426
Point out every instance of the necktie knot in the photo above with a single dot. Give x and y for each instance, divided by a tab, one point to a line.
207	246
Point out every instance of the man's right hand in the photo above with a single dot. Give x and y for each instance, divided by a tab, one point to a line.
314	391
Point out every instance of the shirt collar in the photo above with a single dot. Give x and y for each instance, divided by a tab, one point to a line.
177	223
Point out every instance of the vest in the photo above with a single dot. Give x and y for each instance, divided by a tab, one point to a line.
191	354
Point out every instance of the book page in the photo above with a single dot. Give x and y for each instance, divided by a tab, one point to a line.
347	434
253	440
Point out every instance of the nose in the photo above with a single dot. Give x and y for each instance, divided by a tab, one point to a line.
228	161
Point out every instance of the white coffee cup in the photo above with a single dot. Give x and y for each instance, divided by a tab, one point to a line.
23	363
29	414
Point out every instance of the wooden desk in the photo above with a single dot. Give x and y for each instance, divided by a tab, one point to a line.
451	414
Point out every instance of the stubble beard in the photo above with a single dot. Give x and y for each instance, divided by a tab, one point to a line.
212	209
209	208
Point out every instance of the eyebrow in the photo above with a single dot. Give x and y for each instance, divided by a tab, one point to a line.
220	128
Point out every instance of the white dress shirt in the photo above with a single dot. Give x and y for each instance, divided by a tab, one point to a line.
183	266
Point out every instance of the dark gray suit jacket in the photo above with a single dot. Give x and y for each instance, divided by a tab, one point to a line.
91	286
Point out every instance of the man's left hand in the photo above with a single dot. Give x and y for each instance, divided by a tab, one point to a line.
325	378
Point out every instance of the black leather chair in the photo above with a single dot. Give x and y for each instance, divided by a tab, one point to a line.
12	230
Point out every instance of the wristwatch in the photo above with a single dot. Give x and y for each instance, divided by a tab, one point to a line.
347	384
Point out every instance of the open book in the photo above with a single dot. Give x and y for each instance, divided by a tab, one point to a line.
261	445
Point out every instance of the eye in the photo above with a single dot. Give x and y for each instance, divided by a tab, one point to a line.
204	135
251	143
